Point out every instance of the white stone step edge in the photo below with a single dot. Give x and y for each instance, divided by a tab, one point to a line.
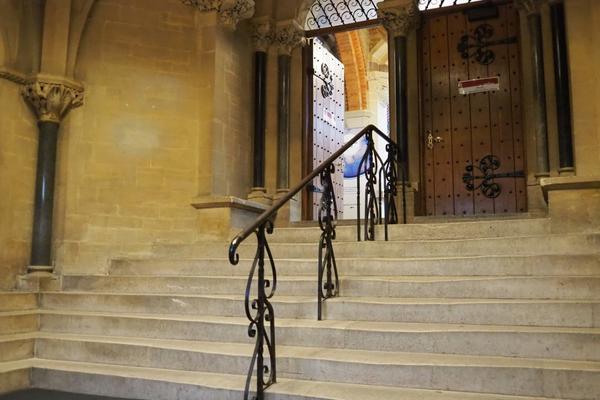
154	384
366	357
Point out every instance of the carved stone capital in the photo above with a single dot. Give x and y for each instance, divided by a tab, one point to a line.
399	17
530	6
288	37
50	99
230	11
261	33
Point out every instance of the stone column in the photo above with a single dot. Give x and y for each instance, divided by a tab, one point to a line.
400	17
287	38
563	88
531	9
50	100
261	37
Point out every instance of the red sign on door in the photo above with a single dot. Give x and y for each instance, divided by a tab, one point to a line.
479	85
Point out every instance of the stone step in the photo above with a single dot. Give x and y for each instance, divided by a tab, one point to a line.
18	321
455	230
16	347
573	265
15	375
514	245
513	287
572	313
512	376
491	340
160	384
14	301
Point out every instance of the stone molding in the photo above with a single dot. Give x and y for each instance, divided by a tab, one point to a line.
288	37
13	76
530	6
399	17
230	12
51	98
261	33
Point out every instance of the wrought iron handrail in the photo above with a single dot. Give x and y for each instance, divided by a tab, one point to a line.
380	173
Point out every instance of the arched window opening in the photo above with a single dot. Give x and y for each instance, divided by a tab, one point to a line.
330	13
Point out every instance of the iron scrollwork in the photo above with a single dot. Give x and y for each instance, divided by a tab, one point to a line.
487	166
328	13
380	189
327	79
259	312
478	44
328	280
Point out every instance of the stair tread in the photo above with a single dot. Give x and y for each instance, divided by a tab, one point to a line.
335	354
315	389
376	259
386	278
375	326
354	299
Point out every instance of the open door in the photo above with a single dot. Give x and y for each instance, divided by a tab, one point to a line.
325	105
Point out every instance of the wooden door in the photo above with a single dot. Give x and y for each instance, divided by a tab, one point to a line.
328	119
461	130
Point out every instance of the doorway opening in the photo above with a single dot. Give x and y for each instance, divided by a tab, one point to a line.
346	89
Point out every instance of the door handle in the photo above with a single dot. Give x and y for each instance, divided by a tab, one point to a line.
430	140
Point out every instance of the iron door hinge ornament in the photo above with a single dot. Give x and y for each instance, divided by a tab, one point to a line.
326	78
486	168
478	44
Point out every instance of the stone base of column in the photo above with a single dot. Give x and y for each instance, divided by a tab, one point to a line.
259	195
410	203
222	217
38	280
540	175
573	203
40	268
283	215
567	171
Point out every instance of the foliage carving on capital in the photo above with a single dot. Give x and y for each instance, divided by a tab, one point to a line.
261	34
288	37
230	11
530	6
399	20
51	100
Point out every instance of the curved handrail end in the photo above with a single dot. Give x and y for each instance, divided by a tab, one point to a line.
234	257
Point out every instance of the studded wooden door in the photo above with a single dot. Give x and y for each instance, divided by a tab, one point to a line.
462	129
328	119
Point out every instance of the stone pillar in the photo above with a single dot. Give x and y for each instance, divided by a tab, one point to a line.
50	100
399	18
261	38
563	88
531	9
287	37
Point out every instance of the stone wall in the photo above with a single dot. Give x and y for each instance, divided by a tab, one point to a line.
18	146
583	31
128	159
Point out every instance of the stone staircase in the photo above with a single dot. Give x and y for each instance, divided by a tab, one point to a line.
482	309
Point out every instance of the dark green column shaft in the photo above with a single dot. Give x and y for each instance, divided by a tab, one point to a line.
563	89
534	22
41	243
283	119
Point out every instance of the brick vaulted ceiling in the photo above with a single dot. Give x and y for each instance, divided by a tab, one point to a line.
352	54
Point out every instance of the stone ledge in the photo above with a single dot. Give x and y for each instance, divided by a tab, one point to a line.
228	202
569	183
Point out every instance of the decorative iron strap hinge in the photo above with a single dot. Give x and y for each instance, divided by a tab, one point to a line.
326	78
487	166
477	45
